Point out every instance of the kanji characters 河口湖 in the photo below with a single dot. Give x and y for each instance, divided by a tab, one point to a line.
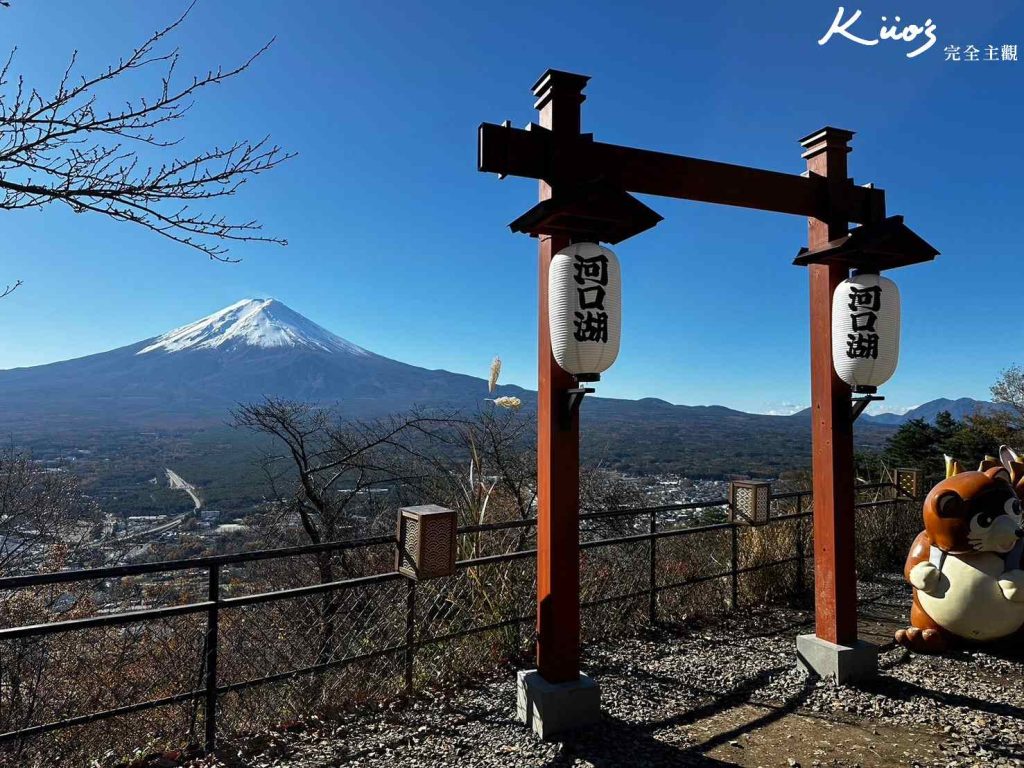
864	305
592	276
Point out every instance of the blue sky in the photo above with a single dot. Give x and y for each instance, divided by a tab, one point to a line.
399	245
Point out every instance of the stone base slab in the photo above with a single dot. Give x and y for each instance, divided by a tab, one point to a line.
843	663
551	708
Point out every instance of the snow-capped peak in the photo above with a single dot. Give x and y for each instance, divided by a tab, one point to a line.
262	323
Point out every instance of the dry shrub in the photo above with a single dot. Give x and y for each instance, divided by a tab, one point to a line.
884	535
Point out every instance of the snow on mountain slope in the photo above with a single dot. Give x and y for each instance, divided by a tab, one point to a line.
264	323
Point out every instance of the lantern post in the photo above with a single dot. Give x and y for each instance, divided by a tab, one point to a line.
554	696
835	576
584	195
559	98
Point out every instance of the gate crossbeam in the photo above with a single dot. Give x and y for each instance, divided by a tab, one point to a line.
535	153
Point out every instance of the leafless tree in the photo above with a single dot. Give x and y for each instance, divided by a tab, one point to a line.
325	474
603	489
1009	390
83	146
482	464
332	464
43	516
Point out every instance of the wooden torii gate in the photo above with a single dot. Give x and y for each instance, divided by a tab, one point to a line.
584	194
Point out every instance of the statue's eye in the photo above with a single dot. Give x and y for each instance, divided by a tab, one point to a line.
1013	507
985	519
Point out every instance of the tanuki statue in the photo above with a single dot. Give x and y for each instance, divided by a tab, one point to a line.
965	566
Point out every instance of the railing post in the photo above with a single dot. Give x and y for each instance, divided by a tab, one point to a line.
652	608
734	530
212	618
410	633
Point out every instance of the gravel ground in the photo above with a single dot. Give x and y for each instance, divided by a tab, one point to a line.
705	694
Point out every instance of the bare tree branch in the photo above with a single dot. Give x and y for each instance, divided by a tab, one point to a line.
42	513
68	148
1009	390
10	288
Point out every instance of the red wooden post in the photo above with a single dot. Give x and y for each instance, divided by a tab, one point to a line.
559	96
835	579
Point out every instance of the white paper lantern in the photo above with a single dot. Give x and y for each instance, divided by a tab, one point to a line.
585	309
865	330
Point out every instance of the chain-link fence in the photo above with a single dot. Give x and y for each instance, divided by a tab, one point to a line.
105	664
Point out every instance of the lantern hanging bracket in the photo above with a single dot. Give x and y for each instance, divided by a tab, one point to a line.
571	404
862	402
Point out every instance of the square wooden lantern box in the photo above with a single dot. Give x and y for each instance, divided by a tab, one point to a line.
749	501
909	482
426	542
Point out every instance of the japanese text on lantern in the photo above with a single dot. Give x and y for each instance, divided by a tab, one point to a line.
864	306
591	323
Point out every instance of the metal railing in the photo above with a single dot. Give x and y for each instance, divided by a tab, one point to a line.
378	621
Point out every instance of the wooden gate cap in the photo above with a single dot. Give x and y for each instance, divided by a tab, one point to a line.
597	211
885	244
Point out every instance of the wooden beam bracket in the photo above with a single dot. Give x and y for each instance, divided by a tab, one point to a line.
571	405
860	403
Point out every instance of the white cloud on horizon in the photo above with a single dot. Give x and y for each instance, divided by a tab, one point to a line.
782	409
876	408
788	409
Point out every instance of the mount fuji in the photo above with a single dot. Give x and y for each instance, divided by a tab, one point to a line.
182	385
196	373
259	323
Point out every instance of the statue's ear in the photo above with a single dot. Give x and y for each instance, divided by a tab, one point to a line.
1009	459
949	504
988	463
999	473
1008	455
952	467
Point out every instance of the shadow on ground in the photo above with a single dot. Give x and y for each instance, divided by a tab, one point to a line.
712	693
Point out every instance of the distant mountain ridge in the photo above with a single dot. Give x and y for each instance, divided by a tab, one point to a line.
258	347
958	409
190	378
196	373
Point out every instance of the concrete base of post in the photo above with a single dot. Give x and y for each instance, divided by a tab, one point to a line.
552	708
843	663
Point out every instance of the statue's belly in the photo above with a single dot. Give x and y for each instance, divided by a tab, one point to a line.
969	602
